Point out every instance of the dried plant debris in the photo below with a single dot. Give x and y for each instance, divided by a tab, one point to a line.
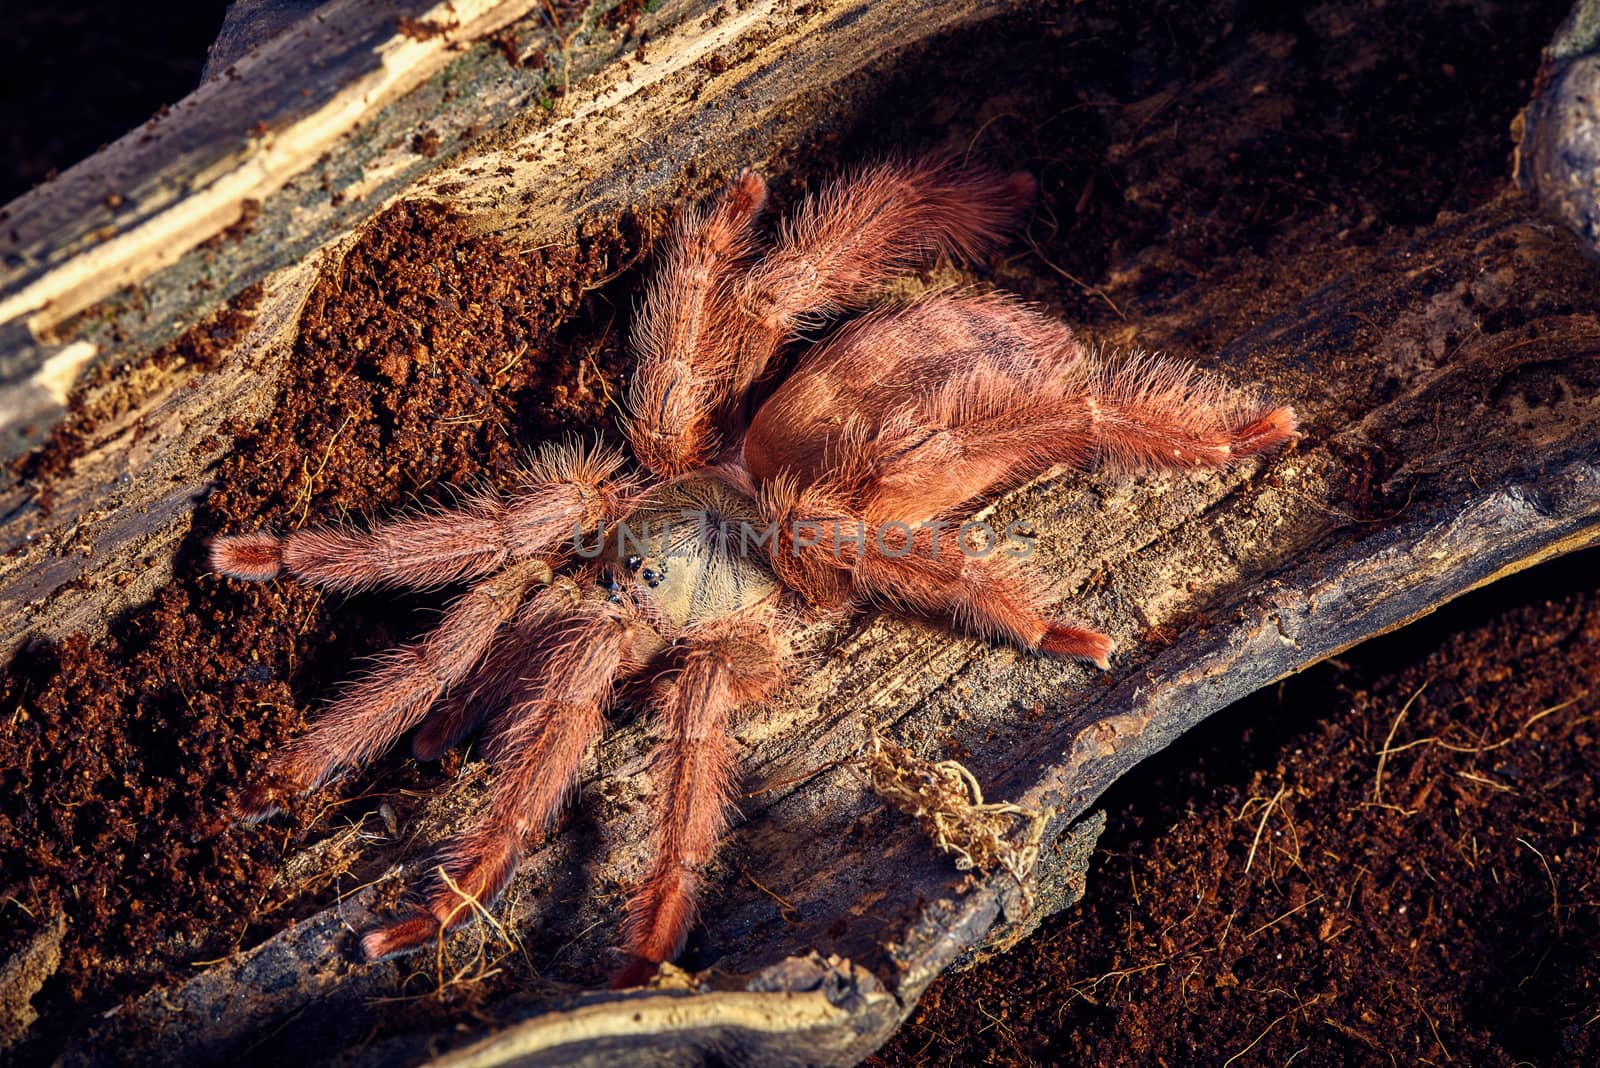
947	803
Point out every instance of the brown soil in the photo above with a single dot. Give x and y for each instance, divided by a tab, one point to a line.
1363	865
428	358
442	356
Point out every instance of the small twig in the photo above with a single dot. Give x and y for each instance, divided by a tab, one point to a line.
1262	826
572	942
1383	754
1555	895
1435	1029
1227	927
311	479
1075	280
1285	916
20	905
1483	780
1259	1037
786	908
990	121
1537	716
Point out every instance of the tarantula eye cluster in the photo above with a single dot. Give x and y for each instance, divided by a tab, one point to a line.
692	566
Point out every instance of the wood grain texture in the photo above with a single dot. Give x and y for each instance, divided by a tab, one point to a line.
626	134
1214	586
1446	378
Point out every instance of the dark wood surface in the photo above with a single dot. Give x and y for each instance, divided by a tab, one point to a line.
1215	586
1445	380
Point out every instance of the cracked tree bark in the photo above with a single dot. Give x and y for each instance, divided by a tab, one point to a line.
1447	380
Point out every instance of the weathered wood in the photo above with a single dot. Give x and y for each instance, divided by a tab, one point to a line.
242	147
627	134
1558	133
1493	463
248	25
1446	380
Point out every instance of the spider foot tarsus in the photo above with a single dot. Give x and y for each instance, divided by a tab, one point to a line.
254	557
463	887
637	972
1067	640
399	937
261	801
1275	428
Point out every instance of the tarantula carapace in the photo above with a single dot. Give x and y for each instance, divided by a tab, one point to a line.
760	502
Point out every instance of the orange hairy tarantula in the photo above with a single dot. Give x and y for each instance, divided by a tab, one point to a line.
757	503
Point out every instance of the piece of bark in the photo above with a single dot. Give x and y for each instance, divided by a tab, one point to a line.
248	25
1445	379
23	973
1428	469
1558	134
112	256
98	538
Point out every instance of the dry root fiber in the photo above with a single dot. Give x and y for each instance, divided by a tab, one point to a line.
947	803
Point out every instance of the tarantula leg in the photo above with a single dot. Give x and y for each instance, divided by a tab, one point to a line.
399	937
923	571
504	677
989	596
417	551
527	796
567	490
537	753
1065	639
811	568
937	401
679	334
501	675
385	704
954	397
694	767
863	231
1270	430
1154	414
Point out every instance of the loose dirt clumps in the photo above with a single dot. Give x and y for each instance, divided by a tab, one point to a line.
426	357
1368	864
1445	914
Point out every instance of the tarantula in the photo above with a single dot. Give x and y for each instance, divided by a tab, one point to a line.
593	574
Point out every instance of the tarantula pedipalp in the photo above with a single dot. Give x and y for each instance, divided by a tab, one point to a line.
690	579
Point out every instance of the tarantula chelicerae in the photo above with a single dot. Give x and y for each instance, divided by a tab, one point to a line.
759	502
